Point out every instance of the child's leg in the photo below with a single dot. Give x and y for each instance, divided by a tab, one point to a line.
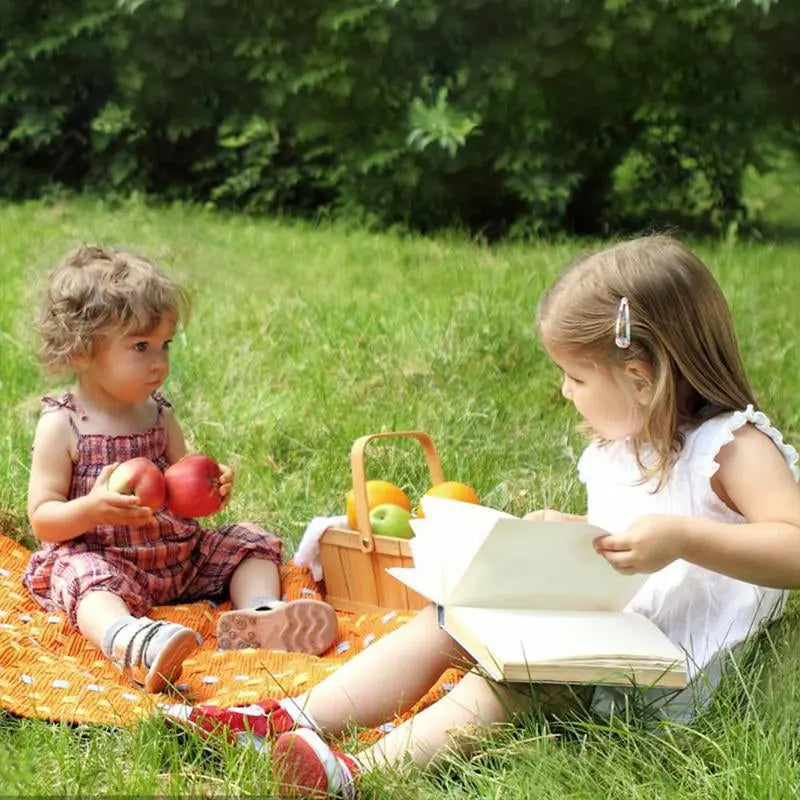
242	559
473	703
252	579
381	681
96	611
387	678
306	765
261	619
150	653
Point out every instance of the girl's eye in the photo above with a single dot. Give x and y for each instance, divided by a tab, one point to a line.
140	347
167	344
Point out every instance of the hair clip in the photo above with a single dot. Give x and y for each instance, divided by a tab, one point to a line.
622	327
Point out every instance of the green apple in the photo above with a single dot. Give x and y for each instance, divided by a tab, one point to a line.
391	520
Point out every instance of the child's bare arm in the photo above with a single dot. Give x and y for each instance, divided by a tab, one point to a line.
53	518
754	480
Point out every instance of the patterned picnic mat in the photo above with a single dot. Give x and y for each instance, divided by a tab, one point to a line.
49	671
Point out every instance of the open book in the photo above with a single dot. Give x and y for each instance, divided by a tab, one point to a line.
532	601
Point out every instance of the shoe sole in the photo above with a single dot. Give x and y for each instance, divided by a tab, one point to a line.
167	667
298	768
301	626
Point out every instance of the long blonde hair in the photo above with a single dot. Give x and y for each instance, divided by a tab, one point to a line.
680	325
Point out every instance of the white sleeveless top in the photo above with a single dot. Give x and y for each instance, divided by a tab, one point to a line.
701	611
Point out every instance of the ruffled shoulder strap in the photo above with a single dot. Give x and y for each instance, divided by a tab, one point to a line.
714	434
66	402
161	404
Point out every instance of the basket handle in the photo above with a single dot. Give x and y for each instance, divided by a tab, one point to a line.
357	454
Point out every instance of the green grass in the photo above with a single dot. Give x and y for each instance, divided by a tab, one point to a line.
771	197
301	340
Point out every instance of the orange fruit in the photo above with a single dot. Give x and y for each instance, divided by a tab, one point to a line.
378	493
452	490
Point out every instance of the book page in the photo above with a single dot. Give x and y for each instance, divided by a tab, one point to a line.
430	560
592	637
428	584
437	508
542	565
447	537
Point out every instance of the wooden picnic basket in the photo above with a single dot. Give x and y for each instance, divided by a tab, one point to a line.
354	562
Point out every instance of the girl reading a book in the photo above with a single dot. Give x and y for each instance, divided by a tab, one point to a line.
694	484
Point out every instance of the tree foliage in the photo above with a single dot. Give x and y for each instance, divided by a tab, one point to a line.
502	115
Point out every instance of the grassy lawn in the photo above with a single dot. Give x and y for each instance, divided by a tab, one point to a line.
303	339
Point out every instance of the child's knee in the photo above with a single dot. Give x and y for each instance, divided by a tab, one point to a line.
80	592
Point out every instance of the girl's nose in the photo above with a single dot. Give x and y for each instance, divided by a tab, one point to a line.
160	363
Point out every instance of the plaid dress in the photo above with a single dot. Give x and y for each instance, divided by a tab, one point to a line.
172	559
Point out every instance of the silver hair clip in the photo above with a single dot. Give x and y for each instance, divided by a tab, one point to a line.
622	327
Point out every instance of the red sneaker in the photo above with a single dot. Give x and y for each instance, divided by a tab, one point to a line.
306	767
267	718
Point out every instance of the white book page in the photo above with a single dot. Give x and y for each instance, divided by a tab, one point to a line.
542	565
518	636
444	543
429	553
436	508
421	582
447	537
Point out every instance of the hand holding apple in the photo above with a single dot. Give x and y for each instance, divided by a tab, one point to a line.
140	477
107	507
391	520
225	483
195	486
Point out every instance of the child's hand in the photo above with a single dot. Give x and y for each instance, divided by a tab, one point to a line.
112	508
652	542
225	484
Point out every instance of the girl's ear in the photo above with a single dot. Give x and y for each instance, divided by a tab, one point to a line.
641	379
79	361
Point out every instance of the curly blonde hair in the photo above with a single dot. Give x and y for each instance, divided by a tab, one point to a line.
94	292
680	326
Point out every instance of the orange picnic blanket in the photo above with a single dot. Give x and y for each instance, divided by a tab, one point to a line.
49	671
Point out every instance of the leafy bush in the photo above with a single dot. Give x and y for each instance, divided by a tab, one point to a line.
501	115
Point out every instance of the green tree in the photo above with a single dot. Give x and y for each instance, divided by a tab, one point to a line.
501	115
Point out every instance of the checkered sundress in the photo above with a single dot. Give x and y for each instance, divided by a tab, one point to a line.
172	559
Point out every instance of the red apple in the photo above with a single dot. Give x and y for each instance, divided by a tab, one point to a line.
140	476
193	486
